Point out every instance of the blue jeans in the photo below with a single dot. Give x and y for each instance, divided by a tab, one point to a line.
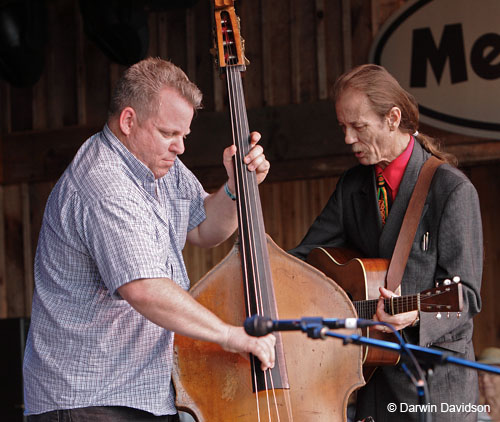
101	414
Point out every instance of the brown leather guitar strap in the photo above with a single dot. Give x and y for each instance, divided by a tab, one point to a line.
410	223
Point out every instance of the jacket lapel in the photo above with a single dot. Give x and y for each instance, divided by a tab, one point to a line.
367	217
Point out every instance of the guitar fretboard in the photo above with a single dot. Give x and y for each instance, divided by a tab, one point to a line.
396	305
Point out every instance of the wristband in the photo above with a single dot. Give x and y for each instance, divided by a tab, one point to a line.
228	192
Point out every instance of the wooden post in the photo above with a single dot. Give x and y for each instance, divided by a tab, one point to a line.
81	74
346	34
27	251
3	271
267	75
162	35
295	57
321	50
190	44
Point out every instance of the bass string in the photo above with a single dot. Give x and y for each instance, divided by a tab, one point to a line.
248	195
241	204
247	240
236	108
244	187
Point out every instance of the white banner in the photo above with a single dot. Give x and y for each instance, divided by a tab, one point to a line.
447	54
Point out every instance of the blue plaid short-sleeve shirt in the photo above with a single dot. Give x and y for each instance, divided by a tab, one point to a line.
107	222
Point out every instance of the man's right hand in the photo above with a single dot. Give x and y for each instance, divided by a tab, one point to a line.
238	341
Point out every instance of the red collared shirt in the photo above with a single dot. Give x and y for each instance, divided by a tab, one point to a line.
393	173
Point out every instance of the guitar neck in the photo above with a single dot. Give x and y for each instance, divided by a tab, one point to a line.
396	305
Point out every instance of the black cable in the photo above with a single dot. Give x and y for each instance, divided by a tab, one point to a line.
421	383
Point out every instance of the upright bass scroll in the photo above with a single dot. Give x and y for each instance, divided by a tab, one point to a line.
311	380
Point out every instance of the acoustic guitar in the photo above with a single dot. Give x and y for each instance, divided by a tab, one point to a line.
361	279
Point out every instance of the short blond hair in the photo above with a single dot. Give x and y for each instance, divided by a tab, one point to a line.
141	83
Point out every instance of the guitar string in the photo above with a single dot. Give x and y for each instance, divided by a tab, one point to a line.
409	298
400	305
402	302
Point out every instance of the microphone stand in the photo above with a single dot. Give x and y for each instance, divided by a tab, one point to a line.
424	354
431	357
317	328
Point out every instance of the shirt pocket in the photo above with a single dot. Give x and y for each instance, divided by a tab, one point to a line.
178	215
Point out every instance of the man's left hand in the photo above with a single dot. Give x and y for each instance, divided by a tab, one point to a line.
399	321
255	161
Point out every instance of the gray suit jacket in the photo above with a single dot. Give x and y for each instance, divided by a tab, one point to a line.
452	218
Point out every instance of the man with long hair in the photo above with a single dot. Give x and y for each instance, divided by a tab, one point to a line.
365	212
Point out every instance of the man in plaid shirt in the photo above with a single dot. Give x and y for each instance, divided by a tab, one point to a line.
110	280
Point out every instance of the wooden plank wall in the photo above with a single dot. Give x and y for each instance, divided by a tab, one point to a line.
74	92
296	48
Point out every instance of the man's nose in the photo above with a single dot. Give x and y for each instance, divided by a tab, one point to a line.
349	137
178	145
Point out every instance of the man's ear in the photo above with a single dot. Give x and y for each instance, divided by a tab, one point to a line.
394	118
127	120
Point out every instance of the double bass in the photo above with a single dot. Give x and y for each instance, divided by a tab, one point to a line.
312	379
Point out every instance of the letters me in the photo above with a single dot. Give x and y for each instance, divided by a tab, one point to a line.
484	55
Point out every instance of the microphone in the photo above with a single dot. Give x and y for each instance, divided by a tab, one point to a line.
258	326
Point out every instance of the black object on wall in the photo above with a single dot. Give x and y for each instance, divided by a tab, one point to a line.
118	27
13	332
159	5
23	35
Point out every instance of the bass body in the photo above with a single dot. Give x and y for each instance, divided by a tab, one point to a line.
312	379
215	385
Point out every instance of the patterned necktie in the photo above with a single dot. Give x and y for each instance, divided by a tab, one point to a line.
383	204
